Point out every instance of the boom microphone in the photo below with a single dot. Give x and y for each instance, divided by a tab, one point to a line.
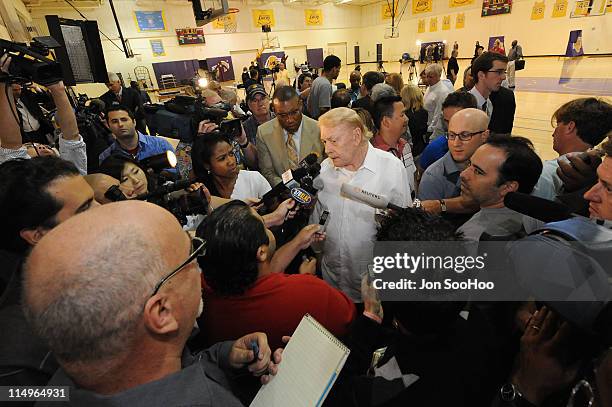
537	208
374	200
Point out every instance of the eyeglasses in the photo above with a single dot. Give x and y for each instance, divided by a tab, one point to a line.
293	113
198	248
462	136
260	100
498	71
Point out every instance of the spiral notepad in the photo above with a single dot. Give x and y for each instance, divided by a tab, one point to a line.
312	360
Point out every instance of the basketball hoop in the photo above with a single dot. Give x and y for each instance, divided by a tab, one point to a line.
391	32
232	10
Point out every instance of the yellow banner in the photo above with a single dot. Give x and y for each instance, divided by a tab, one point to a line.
446	23
263	17
582	8
460	22
385	10
560	8
421	6
537	12
433	24
224	21
313	16
459	3
421	28
609	7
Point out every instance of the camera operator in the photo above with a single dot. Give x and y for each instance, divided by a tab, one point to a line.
35	127
71	144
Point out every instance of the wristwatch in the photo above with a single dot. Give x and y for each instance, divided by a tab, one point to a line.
245	145
510	394
442	206
417	203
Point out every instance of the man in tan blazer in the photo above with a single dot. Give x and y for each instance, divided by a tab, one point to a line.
285	140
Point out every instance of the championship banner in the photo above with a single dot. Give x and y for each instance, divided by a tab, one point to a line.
460	21
459	3
157	47
494	7
226	23
581	9
313	17
421	27
385	10
190	36
537	12
446	23
559	9
433	24
263	17
574	44
609	7
421	6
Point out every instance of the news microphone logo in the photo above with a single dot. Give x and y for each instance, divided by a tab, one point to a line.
301	196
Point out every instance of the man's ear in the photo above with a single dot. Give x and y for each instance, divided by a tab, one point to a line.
509	186
357	135
263	252
159	315
33	236
485	135
571	127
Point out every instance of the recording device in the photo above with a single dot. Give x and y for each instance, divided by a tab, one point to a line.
298	184
28	63
114	194
323	221
369	198
160	162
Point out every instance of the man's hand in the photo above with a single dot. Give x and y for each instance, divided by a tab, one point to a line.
284	211
242	140
206	126
309	266
431	206
263	364
198	185
576	173
540	373
371	302
308	235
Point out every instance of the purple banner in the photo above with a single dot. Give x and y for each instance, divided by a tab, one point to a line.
268	59
315	57
496	44
221	68
574	44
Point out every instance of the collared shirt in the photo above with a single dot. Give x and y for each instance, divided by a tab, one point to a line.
147	147
515	53
354	93
28	121
494	221
441	180
434	97
250	126
297	137
549	184
351	231
406	155
480	101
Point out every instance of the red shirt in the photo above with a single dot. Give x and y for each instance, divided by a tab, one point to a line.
379	142
275	305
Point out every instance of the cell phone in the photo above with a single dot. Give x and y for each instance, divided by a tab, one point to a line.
231	128
323	221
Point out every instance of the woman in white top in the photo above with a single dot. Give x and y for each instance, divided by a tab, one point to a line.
214	164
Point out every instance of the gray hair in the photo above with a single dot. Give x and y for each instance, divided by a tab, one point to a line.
96	307
381	90
435	69
113	77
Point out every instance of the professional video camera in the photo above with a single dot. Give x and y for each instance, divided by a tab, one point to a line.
300	184
96	135
29	63
172	197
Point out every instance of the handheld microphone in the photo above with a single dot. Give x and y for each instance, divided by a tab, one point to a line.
369	198
537	208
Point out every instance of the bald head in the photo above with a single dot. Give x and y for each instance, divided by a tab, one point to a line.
471	125
86	300
468	120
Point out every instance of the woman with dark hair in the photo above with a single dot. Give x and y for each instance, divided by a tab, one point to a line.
129	173
214	164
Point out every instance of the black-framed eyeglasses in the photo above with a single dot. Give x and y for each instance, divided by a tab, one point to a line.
498	71
462	136
198	248
289	114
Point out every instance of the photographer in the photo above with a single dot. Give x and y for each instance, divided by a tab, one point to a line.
71	144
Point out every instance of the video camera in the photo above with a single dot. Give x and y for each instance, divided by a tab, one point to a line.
30	63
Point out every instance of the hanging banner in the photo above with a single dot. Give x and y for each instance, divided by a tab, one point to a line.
433	24
157	47
263	17
459	3
421	27
494	7
421	6
189	36
221	68
226	23
609	7
385	10
150	21
581	9
446	23
313	17
574	44
460	21
496	44
537	12
559	9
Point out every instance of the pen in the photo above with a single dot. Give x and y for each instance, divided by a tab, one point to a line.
255	349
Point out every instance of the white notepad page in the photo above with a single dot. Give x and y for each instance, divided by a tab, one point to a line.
312	360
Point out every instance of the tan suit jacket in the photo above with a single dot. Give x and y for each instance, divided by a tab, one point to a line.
272	151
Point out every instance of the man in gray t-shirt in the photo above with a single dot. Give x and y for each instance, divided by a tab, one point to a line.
319	100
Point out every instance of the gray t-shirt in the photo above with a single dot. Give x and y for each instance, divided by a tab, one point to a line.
441	180
320	96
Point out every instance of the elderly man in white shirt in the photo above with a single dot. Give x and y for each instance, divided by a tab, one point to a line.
435	95
351	231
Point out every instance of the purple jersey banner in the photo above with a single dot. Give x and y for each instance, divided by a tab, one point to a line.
574	44
269	59
221	68
494	7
